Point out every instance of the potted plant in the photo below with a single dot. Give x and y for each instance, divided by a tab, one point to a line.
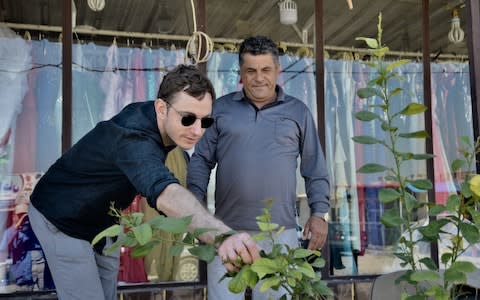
422	278
289	268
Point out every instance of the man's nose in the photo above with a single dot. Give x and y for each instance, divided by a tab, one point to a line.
197	128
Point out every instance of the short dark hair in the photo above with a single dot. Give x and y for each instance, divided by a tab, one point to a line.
188	79
257	45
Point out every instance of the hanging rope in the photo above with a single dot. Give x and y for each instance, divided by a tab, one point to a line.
198	43
350	4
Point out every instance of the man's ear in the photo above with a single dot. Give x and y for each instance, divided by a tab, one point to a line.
160	108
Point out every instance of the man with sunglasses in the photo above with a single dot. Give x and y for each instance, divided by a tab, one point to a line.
115	161
259	133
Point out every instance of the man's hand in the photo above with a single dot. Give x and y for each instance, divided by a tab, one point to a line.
236	250
317	229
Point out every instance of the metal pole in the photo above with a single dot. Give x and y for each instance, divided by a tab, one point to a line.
67	76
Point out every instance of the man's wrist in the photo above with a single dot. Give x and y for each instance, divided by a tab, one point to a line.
219	239
325	216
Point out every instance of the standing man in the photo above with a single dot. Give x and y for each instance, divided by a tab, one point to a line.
258	135
112	163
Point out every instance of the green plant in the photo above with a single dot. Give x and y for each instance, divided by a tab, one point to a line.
289	268
283	267
142	237
428	279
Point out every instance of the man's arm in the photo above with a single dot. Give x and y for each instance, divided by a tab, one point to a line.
176	201
313	168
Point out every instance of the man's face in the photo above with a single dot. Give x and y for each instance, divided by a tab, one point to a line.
259	76
184	107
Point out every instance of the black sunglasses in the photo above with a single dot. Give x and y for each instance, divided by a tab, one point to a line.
189	118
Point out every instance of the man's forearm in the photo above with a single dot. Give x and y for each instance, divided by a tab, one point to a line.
176	201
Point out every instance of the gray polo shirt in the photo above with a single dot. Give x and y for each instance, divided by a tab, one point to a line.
256	155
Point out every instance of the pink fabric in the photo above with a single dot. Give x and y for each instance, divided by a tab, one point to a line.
26	134
139	81
132	269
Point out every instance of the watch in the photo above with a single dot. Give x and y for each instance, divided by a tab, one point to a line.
324	216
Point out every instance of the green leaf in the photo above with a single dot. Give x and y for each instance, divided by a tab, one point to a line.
429	263
405	155
141	251
436	210
463	266
465	139
176	250
437	292
380	52
475	214
249	276
111	231
413	109
445	258
306	269
366	116
269	283
423	156
366	140
457	164
264	266
466	190
368	92
455	276
395	92
422	134
237	284
386	127
128	240
301	253
267	226
453	203
322	288
426	275
388	195
113	247
371	43
318	263
432	230
136	218
410	202
397	64
422	184
143	233
295	274
199	231
172	225
391	218
291	282
204	252
470	232
372	168
188	239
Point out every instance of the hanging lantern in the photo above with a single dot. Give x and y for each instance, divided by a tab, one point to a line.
456	33
288	12
96	5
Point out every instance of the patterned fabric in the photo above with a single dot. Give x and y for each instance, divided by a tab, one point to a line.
29	267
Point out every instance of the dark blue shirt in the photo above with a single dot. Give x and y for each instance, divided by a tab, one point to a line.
112	163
